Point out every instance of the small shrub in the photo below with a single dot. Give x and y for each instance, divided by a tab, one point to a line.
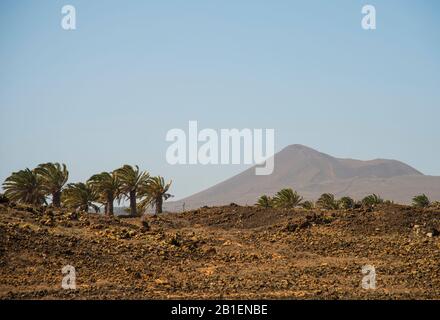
371	201
264	202
421	201
346	203
327	201
308	205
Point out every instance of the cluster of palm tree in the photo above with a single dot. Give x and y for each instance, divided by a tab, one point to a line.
49	180
329	202
34	186
287	198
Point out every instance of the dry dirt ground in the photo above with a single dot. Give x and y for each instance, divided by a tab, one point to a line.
227	252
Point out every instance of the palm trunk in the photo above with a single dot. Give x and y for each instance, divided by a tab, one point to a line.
109	208
133	208
159	202
56	199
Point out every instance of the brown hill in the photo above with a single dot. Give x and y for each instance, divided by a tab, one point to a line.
313	173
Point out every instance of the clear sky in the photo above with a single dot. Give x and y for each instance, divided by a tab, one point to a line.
107	93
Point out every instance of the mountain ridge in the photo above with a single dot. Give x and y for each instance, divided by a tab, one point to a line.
312	173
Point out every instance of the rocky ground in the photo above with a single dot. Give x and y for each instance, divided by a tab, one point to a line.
221	252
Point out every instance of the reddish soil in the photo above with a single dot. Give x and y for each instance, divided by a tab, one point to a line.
221	252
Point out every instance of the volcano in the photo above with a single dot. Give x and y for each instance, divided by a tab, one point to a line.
312	173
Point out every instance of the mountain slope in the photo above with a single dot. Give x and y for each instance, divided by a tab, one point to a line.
313	173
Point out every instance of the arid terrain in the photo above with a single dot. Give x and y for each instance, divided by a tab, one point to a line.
221	252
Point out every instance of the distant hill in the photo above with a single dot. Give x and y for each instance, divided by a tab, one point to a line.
312	173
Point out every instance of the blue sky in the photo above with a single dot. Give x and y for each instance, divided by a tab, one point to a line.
107	93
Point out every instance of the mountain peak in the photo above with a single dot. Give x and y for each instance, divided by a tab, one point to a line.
312	173
298	147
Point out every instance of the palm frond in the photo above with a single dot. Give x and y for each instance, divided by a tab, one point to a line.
264	202
287	198
421	201
25	186
154	192
80	196
327	201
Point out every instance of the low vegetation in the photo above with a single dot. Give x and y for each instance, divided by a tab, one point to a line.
308	205
264	202
371	201
287	198
421	201
346	203
327	201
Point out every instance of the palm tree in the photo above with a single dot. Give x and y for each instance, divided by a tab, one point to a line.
264	202
25	186
107	185
154	191
346	203
287	198
54	176
131	179
327	201
80	196
421	201
371	200
308	205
